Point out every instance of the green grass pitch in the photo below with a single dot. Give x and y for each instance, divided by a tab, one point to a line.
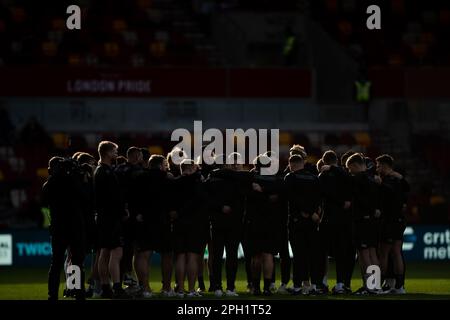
423	281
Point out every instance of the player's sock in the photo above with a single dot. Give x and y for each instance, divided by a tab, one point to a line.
267	283
399	281
389	283
106	291
256	285
201	283
325	280
365	277
117	286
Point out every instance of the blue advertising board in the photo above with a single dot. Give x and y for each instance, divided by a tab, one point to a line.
427	243
25	247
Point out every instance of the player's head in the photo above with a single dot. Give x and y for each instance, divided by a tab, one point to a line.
296	162
220	161
145	157
261	161
188	167
76	155
158	162
53	165
370	165
174	158
319	165
86	159
297	149
121	160
345	157
330	158
385	164
274	162
356	163
134	155
108	151
208	155
235	161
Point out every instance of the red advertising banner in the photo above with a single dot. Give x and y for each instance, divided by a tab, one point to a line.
208	82
414	83
287	83
157	82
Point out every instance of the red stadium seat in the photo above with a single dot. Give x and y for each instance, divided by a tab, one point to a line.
18	14
398	6
111	49
119	25
58	24
74	60
444	17
49	49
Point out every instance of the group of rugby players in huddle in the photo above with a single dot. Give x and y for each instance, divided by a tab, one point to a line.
348	208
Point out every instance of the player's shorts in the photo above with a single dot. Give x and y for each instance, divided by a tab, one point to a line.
189	238
262	240
392	230
338	234
147	237
164	242
365	233
279	234
129	230
92	237
325	229
110	235
233	232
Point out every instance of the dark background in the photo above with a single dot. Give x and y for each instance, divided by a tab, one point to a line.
138	69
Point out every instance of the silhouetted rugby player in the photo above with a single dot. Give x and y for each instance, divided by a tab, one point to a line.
111	212
226	206
127	173
155	230
304	198
336	226
151	220
190	225
64	196
154	196
263	203
178	155
394	189
297	149
87	166
243	179
281	229
366	213
206	165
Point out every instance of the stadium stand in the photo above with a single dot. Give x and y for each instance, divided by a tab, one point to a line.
178	33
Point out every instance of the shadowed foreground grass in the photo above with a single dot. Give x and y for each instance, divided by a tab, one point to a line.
423	281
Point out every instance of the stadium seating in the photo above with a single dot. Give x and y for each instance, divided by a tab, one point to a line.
146	33
419	39
142	33
171	32
23	165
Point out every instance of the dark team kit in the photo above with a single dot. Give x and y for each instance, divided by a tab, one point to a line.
348	208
